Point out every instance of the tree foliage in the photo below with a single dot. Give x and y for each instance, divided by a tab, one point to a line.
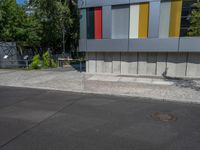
57	16
42	29
15	25
194	18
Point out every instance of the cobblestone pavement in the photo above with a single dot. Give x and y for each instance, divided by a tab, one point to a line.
72	80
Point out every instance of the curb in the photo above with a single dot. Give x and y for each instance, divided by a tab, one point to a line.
152	98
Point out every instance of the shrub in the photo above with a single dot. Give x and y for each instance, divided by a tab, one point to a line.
36	62
47	60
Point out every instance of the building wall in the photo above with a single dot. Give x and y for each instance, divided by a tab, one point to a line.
144	64
139	37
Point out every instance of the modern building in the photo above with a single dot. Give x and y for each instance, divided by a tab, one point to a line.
139	37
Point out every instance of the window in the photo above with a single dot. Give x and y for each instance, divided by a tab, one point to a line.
185	18
90	23
94	23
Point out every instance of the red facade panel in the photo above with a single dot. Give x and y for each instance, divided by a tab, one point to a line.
98	22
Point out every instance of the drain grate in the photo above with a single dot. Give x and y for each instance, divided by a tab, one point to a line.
164	117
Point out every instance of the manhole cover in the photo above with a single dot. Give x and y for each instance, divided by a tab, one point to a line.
164	117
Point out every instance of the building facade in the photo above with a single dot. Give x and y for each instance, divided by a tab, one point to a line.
139	37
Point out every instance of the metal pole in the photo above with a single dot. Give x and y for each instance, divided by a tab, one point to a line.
80	65
27	64
63	41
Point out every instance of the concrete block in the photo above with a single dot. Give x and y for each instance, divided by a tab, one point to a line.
181	65
176	64
151	63
87	62
92	62
100	62
171	64
133	64
161	63
108	62
193	66
142	64
124	63
116	63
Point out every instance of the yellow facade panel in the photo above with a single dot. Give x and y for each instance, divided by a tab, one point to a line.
143	20
175	18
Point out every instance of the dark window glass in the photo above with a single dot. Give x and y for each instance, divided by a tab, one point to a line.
187	8
90	23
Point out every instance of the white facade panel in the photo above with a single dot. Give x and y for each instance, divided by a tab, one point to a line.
134	21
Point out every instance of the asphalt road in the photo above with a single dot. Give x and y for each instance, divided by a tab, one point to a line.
51	120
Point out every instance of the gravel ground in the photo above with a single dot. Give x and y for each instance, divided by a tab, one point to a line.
72	80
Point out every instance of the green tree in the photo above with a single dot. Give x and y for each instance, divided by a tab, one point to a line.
16	26
32	35
10	20
194	18
42	29
57	16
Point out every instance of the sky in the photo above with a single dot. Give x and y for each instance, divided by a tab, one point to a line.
20	1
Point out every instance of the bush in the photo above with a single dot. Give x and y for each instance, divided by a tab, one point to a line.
47	61
36	62
46	58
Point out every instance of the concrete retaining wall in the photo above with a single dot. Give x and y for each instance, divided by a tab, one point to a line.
145	64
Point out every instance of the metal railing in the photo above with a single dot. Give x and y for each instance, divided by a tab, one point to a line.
63	61
14	63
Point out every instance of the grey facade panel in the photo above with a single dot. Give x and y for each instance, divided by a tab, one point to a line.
189	44
81	3
82	45
116	45
142	1
93	3
83	32
107	17
154	45
120	22
154	19
116	2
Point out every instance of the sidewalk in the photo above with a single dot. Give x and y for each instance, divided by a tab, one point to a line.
65	80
